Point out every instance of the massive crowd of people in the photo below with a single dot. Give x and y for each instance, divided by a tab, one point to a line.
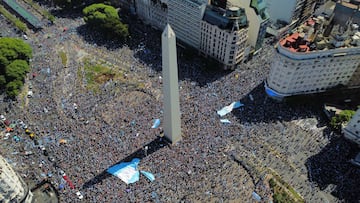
84	132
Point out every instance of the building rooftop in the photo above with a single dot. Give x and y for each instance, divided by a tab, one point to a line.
317	33
260	8
230	19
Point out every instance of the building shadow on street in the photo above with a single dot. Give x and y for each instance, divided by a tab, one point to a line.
97	38
331	168
146	43
261	108
141	153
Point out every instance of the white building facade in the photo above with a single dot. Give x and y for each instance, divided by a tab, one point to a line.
185	16
352	130
12	187
224	35
153	12
317	57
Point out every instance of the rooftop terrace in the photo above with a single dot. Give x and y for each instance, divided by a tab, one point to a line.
232	18
317	33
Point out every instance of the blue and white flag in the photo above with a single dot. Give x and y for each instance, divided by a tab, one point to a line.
227	109
149	175
126	171
156	123
226	121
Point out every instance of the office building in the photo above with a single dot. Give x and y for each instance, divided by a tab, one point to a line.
153	12
352	129
185	16
287	14
290	10
258	18
12	187
224	34
320	55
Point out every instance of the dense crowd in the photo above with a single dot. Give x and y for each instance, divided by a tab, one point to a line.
114	125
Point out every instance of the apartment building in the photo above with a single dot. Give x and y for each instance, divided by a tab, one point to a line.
287	14
290	10
153	12
352	130
315	58
224	34
258	17
12	187
185	16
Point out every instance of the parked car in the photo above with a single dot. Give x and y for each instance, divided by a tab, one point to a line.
30	94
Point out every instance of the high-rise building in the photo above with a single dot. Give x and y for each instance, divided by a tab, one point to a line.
287	14
258	17
220	3
194	28
224	35
185	16
352	129
12	187
153	12
290	10
319	56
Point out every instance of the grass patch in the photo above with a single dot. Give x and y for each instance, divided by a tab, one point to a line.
63	58
282	191
42	11
18	23
97	74
279	194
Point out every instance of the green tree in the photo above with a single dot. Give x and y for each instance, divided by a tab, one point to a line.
16	70
13	48
13	88
2	81
3	63
342	118
14	57
105	18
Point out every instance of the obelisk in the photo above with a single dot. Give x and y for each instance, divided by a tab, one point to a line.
172	124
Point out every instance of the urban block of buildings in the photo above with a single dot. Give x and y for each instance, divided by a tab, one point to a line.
228	33
323	53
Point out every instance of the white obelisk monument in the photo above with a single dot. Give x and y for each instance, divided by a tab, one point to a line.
172	124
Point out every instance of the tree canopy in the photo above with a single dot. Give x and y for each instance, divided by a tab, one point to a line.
17	70
14	57
13	48
105	18
342	118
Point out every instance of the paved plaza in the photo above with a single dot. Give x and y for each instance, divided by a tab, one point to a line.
111	123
